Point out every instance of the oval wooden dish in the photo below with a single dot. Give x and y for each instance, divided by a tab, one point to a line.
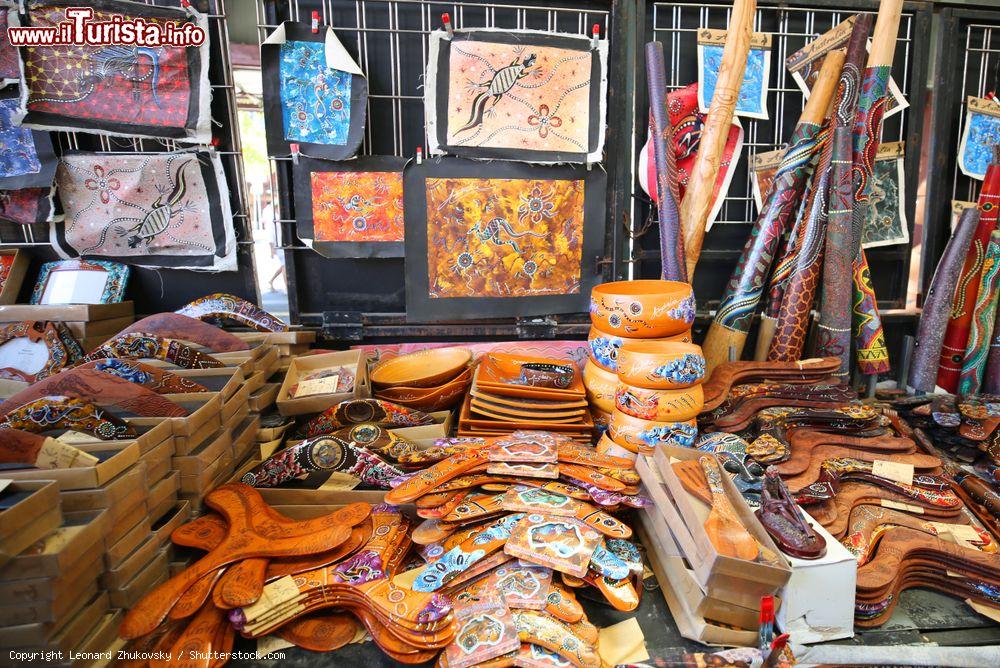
642	309
426	368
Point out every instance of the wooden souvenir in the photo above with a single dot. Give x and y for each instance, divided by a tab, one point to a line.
222	306
644	435
600	386
833	514
14	264
527	469
184	328
326	632
722	526
425	368
646	309
80	282
33	450
727	374
459	558
660	365
140	346
659	405
782	519
31	351
603	349
323	454
520	498
53	413
356	411
561	543
539	629
154	378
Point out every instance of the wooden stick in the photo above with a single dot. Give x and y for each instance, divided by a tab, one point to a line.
671	246
872	354
746	286
833	337
697	203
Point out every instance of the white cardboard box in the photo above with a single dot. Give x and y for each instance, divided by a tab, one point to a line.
818	600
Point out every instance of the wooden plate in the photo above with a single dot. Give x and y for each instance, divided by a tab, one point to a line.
478	409
466	420
523	391
535	414
425	368
526	404
416	393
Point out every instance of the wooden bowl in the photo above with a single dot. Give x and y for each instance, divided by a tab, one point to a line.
600	386
435	399
659	405
661	365
647	435
642	309
425	368
415	393
602	420
606	446
603	348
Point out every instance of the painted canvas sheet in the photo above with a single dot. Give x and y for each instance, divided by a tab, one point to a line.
885	224
762	169
26	206
805	64
26	156
113	89
500	239
350	209
160	210
687	122
10	70
516	95
982	133
315	95
752	102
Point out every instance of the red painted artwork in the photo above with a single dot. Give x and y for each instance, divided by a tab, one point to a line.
9	68
25	206
357	206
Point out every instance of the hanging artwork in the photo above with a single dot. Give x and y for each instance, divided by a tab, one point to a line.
117	89
687	123
763	167
26	206
804	65
27	159
516	95
350	209
500	239
885	224
752	101
982	133
315	94
161	210
10	70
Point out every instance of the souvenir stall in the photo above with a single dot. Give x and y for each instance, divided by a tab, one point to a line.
616	337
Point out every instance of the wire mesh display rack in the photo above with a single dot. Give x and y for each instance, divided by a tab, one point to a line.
168	289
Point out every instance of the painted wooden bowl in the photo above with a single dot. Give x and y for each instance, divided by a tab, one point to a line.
600	386
425	368
603	348
606	446
661	365
659	405
647	435
432	399
602	420
642	309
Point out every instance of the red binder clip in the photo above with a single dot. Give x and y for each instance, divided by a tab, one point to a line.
446	19
596	35
295	153
186	5
420	155
215	142
992	97
315	21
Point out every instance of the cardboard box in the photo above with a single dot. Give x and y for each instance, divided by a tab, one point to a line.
80	534
191	466
65	636
100	331
264	398
148	577
237	407
195	487
424	436
118	494
163	495
300	366
56	611
725	578
67	312
204	410
46	589
15	277
185	445
23	501
130	566
225	380
244	438
254	382
818	600
129	518
159	462
267	434
102	638
122	543
163	526
114	458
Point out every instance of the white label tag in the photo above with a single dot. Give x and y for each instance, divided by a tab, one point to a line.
896	471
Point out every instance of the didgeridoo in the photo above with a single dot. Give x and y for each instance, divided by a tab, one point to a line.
981	326
872	354
728	331
793	316
671	243
697	203
833	331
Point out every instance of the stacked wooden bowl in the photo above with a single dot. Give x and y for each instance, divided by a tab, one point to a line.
429	380
645	327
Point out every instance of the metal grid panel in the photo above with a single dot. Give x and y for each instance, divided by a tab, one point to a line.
791	27
150	295
980	75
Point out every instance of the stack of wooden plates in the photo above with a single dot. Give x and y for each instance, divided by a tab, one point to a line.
512	392
428	380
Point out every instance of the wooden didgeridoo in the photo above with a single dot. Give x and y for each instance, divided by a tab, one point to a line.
871	352
937	305
697	203
792	324
833	330
671	244
746	286
983	315
956	336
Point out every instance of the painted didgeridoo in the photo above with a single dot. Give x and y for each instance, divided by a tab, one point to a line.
983	315
833	330
956	336
937	306
793	317
671	244
697	203
746	286
872	354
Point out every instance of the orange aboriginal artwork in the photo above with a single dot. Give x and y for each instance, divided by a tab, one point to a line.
504	237
357	206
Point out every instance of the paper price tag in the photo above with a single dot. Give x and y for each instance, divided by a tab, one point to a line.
59	455
896	471
960	534
275	593
905	507
325	385
76	437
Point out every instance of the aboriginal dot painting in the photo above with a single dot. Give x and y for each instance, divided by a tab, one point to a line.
503	237
18	156
26	206
159	210
885	223
118	89
982	133
752	100
501	94
315	99
357	206
9	69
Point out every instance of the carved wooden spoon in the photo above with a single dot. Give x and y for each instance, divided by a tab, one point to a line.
723	527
